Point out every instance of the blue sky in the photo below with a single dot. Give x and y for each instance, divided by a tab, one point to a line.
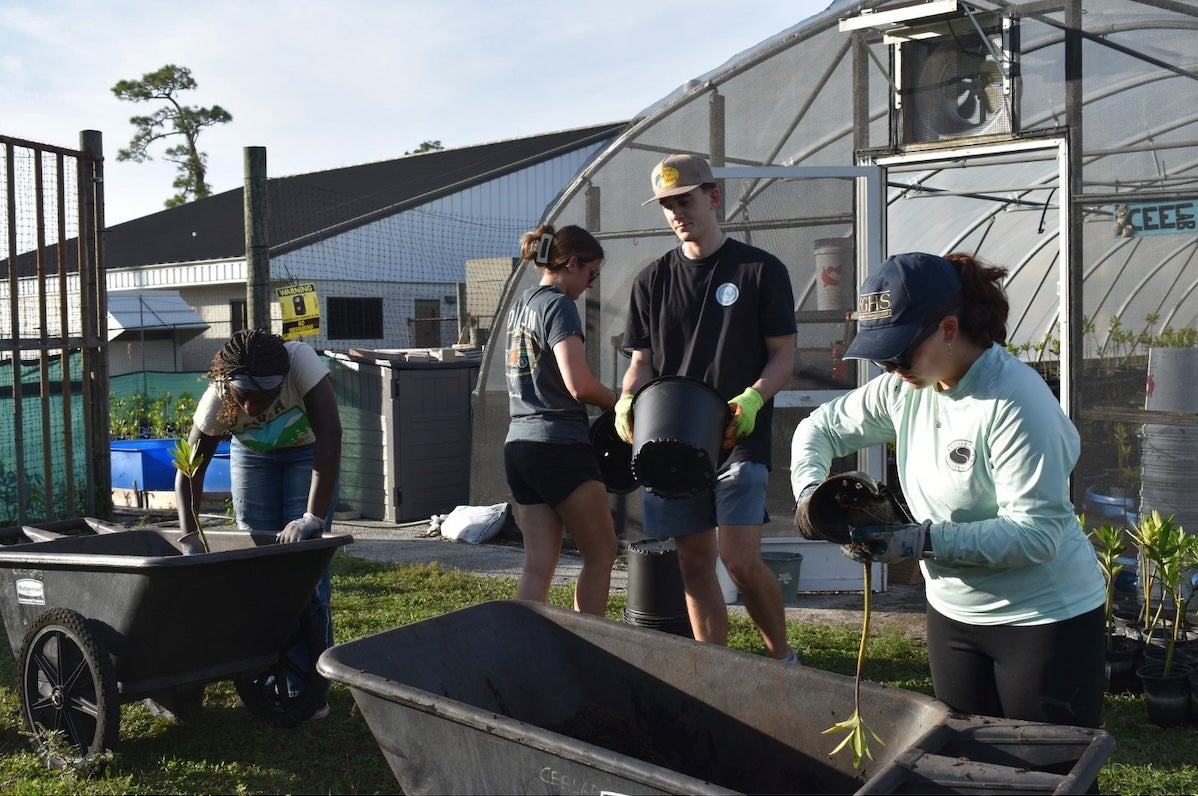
323	84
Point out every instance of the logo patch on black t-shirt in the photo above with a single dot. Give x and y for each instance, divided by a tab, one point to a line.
727	294
960	455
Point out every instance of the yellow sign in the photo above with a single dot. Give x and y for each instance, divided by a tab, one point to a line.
301	310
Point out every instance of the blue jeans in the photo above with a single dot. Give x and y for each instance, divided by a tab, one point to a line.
270	489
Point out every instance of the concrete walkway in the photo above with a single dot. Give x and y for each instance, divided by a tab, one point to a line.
899	608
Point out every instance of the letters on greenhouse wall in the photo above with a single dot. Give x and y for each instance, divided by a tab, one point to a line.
1156	218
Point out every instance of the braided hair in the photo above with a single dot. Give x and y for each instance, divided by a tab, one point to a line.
251	352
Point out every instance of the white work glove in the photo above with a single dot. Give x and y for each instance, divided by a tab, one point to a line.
889	544
305	527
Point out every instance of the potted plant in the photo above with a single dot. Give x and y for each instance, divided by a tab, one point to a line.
1169	552
1108	541
1146	535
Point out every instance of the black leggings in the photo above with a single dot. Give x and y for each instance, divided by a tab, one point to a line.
1053	673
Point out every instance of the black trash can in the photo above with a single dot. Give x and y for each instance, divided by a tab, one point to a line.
656	598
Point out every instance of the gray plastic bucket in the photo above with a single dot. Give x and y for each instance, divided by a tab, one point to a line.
786	567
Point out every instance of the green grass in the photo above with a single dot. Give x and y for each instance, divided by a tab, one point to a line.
224	750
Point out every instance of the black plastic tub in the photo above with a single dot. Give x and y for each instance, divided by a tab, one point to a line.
514	697
165	618
98	615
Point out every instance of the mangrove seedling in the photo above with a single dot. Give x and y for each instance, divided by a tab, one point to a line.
1178	554
858	731
1149	537
1108	544
187	460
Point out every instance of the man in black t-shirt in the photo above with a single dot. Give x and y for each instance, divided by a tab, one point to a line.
720	311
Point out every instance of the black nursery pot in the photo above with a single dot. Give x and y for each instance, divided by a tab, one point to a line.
1121	658
678	429
1155	653
1193	696
614	454
1167	697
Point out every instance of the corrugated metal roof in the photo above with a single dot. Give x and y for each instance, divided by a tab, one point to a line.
306	206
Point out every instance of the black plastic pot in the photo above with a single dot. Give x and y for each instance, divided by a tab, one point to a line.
1121	666
1194	696
679	425
615	455
1167	697
1156	653
656	598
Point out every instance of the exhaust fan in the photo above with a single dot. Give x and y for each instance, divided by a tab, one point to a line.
954	80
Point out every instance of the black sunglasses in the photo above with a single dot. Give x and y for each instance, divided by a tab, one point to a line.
903	360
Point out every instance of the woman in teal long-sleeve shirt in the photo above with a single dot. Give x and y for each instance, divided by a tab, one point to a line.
983	453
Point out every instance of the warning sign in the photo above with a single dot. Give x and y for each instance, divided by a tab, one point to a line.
301	310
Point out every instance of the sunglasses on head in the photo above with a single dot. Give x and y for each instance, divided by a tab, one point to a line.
247	383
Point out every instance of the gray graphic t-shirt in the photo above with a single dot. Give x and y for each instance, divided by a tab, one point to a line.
542	409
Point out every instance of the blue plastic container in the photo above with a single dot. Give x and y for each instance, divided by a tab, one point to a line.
147	465
1118	509
217	479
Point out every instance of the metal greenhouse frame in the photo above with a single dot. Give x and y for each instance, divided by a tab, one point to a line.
1056	140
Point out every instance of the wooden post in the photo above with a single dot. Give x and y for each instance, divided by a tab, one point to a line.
94	300
257	239
463	318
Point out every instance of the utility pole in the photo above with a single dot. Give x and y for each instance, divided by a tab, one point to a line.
257	239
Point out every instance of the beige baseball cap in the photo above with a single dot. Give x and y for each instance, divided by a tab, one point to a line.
678	174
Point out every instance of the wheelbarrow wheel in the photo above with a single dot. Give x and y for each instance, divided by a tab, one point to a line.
68	690
288	691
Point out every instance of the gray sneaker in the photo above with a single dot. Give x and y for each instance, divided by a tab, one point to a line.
321	712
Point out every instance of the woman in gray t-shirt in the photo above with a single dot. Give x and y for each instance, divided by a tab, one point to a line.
551	468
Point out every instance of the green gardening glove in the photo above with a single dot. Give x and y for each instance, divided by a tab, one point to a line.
623	409
744	409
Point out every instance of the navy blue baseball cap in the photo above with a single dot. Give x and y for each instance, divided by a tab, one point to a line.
897	301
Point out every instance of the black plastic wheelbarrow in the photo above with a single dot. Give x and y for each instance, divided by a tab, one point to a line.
513	697
99	615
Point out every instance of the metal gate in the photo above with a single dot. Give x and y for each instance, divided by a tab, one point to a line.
53	333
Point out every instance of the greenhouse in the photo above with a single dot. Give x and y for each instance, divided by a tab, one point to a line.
1055	140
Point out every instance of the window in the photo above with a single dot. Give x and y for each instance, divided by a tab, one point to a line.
238	316
354	318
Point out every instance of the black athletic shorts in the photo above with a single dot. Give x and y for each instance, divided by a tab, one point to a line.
546	472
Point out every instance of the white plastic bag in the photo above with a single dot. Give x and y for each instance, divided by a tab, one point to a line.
474	524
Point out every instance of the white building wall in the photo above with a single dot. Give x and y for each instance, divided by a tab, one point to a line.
133	356
419	253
